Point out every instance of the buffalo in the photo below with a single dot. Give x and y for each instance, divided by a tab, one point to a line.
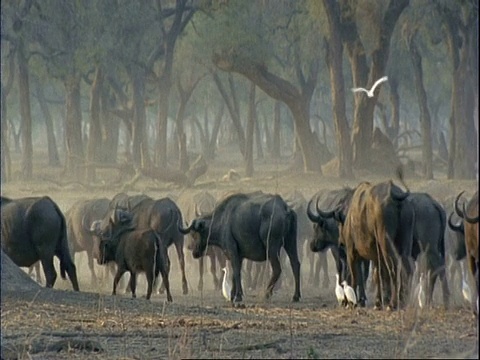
249	226
34	229
378	226
195	205
429	238
469	214
326	230
134	251
79	218
159	215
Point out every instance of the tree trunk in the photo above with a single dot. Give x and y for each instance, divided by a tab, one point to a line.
25	114
424	112
6	164
73	127
53	158
280	89
395	102
140	153
334	56
215	130
258	137
364	106
110	130
94	135
233	109
276	130
250	131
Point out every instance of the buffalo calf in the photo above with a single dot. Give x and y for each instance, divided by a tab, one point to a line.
135	251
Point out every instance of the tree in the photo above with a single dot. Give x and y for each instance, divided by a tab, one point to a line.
461	27
334	59
363	74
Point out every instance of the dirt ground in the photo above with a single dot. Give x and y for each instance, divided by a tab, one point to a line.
92	324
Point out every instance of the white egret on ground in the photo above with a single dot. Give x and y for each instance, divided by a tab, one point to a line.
339	293
349	294
226	287
370	92
466	292
420	290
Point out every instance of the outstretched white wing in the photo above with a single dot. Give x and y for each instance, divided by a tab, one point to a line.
359	89
379	81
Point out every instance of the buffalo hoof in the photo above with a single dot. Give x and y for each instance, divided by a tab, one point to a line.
296	298
362	303
134	296
169	298
239	305
377	307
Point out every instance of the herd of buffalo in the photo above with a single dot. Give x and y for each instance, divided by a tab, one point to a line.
379	227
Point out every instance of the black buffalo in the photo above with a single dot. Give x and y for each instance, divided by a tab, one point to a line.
159	215
326	229
80	237
134	251
34	229
249	226
194	205
429	238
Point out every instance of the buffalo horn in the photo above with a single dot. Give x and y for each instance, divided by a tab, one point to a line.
455	227
197	213
339	216
401	197
325	215
311	215
455	205
185	230
469	219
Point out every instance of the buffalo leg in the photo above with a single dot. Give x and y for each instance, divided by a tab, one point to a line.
200	271
166	284
116	279
323	259
291	250
360	283
91	266
181	261
237	292
311	262
50	273
213	271
316	276
133	284
276	272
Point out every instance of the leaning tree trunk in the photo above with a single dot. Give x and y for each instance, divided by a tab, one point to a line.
94	135
424	112
334	56
73	128
297	100
212	142
250	132
53	158
25	114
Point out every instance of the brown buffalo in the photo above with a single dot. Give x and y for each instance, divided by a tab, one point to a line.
134	251
469	214
379	227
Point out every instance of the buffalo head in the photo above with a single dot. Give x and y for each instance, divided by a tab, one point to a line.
325	229
199	230
463	213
